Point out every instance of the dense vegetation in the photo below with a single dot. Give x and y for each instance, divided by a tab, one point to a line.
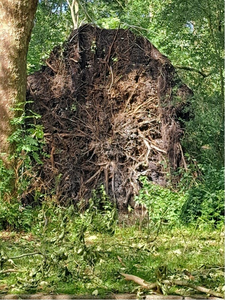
56	249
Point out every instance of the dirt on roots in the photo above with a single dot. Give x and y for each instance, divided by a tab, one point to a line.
111	106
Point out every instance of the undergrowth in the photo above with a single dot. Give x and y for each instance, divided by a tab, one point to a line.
65	250
27	142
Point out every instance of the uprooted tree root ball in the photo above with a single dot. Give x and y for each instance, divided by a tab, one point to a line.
111	106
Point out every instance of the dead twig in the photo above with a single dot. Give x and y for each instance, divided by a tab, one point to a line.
121	261
204	75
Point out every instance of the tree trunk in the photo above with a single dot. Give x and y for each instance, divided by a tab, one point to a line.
16	19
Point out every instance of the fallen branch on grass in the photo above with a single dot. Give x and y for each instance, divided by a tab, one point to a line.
151	286
193	286
26	254
8	271
140	281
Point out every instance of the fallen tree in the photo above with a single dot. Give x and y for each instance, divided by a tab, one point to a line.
112	108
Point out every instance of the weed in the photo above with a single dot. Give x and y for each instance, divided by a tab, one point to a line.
205	201
101	215
162	204
27	141
13	216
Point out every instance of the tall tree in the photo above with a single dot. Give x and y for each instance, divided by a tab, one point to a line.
16	18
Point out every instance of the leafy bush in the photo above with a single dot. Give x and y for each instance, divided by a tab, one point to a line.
161	203
14	216
28	137
205	201
27	141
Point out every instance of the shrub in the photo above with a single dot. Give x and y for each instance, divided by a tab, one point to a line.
205	201
161	203
14	216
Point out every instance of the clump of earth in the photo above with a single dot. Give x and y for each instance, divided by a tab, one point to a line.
113	109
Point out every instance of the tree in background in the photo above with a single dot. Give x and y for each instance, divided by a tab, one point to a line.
52	26
74	10
193	38
16	24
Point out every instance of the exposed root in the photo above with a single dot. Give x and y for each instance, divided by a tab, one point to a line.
110	111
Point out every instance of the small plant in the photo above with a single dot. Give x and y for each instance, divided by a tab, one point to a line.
205	201
6	177
28	138
101	214
162	204
13	216
27	141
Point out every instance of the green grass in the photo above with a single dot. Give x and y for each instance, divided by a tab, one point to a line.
68	265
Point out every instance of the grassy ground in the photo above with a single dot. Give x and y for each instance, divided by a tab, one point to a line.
90	262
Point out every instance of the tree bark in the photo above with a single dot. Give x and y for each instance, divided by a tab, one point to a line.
16	19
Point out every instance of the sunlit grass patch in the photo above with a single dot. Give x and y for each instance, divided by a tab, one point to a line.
69	255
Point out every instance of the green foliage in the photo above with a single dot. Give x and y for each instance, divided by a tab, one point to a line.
28	137
194	42
204	136
202	203
52	27
6	177
162	204
13	216
205	201
27	140
101	215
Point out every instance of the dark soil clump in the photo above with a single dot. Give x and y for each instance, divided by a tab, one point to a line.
110	104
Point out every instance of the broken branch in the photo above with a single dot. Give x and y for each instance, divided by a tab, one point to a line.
140	281
150	286
195	287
